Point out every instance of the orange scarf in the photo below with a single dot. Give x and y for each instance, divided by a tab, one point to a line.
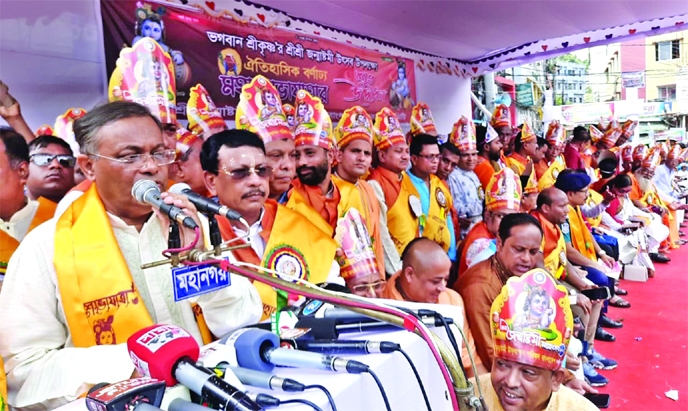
552	233
581	238
313	196
390	183
101	303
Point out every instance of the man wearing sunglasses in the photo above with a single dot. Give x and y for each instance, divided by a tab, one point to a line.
51	168
18	214
236	170
75	290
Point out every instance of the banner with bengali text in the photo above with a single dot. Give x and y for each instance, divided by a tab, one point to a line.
223	55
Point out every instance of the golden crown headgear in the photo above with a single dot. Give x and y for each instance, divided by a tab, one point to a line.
463	135
555	135
532	186
422	121
65	122
202	113
639	152
387	129
503	191
185	139
260	111
355	124
628	128
145	74
313	124
595	134
44	130
527	133
627	152
501	117
674	152
611	135
531	321
651	160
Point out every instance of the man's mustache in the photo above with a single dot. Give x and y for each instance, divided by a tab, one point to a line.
254	192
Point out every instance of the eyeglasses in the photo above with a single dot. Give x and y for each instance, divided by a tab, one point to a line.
44	160
430	157
160	158
243	173
377	287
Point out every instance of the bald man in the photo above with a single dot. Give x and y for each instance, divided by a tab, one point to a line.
423	279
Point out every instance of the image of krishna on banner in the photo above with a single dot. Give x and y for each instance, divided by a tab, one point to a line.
224	49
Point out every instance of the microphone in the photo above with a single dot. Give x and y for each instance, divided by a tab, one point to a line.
140	394
345	346
428	317
148	192
169	353
204	204
330	328
268	381
258	350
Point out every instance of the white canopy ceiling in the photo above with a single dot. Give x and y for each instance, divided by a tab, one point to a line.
51	50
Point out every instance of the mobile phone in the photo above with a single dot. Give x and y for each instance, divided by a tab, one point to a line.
599	400
599	293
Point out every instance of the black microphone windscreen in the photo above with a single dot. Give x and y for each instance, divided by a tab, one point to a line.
321	328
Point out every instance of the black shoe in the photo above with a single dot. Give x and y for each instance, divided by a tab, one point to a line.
681	233
620	291
602	335
659	258
607	322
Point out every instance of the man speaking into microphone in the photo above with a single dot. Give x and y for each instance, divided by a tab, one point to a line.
75	291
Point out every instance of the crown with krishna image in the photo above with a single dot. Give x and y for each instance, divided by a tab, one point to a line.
355	124
313	123
202	113
422	121
145	74
463	135
387	129
531	321
260	111
355	256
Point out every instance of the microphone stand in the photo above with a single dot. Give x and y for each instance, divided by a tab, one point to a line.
461	392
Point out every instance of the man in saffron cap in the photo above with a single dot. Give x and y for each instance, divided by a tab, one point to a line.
501	122
532	324
187	165
490	157
645	196
399	201
525	146
467	192
354	135
502	197
556	139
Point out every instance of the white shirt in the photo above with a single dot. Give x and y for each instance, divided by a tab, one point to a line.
663	181
18	225
44	369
